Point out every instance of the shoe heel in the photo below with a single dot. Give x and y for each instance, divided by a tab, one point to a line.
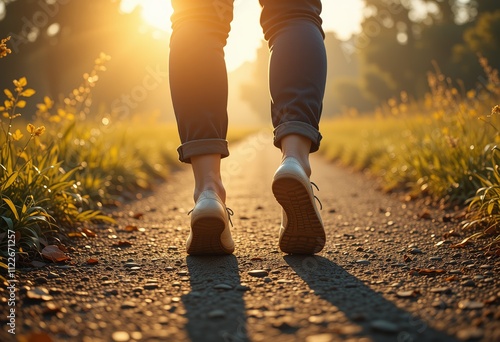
304	232
206	237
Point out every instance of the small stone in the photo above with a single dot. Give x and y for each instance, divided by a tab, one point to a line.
258	273
111	292
363	262
151	286
435	258
439	304
172	248
469	283
242	288
52	275
416	251
470	334
470	305
132	264
39	293
486	267
384	326
316	319
120	336
128	305
406	294
320	338
443	289
216	314
223	287
40	280
284	281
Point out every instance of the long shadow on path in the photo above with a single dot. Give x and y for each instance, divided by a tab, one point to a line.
215	314
360	304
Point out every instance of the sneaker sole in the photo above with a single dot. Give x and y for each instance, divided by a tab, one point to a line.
304	233
206	237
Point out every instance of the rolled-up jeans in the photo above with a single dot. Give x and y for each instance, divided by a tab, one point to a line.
198	75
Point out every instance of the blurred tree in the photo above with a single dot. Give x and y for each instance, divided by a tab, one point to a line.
400	39
56	41
483	38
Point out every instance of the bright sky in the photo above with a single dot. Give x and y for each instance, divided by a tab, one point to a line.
340	16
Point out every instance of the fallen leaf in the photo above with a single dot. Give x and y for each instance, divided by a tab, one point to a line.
63	248
53	253
38	337
429	271
425	214
75	235
131	228
136	216
452	278
88	232
92	261
122	244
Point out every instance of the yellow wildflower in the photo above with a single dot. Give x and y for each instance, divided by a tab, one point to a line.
17	135
495	110
39	131
30	128
20	84
4	50
46	105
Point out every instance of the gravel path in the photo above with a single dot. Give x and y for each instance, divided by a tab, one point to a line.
384	275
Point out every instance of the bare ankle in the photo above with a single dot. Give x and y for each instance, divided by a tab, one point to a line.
207	176
298	147
216	187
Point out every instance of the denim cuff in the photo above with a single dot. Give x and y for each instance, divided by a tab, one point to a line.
201	147
299	128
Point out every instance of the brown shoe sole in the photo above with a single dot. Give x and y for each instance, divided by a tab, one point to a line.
206	237
304	232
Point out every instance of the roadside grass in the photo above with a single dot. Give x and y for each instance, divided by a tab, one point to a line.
443	148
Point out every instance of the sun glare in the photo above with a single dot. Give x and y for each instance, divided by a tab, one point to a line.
154	12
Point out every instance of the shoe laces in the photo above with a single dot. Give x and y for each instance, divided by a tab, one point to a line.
229	211
316	197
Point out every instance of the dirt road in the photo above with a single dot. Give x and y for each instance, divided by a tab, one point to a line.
382	276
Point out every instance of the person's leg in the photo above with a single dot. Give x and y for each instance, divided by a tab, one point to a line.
198	83
297	74
297	77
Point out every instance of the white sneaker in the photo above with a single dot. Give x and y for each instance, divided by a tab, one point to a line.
210	233
302	230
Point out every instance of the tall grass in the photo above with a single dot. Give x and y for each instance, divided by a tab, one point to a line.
443	148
